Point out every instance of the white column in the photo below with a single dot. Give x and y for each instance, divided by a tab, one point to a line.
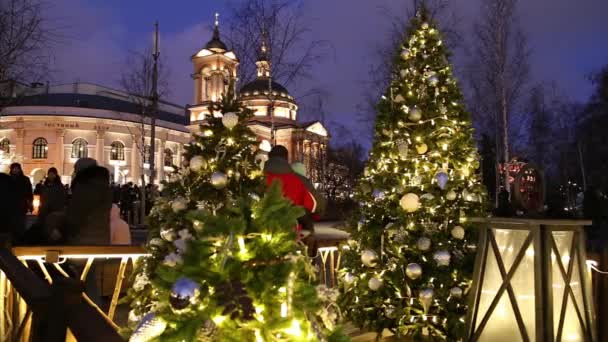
60	160
19	150
99	147
160	161
135	160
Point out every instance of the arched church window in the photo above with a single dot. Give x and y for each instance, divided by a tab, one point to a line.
5	145
79	148
40	149
117	151
168	157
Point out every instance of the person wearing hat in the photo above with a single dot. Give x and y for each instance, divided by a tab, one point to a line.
88	212
277	168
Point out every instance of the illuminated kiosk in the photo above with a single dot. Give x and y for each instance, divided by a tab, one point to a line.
530	282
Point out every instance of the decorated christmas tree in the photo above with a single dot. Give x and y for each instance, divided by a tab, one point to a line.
409	264
225	263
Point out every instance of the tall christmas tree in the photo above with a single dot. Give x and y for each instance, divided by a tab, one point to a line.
409	263
225	264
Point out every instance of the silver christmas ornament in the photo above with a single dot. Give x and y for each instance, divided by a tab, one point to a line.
433	80
442	258
442	179
229	120
426	298
423	244
378	194
149	328
219	180
197	163
414	114
405	53
456	292
403	73
374	283
184	292
369	258
413	271
457	232
349	278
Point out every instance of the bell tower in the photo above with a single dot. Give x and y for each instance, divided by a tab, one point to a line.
215	69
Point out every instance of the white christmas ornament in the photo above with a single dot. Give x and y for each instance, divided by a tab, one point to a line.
410	202
456	292
229	120
469	196
349	278
414	114
369	258
390	311
173	259
405	53
374	283
413	271
179	204
433	80
399	98
451	195
219	180
423	244
421	148
442	258
458	232
197	163
403	73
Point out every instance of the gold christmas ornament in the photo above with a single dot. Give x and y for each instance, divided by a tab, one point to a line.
197	163
413	271
457	232
451	195
374	284
219	180
399	98
421	148
426	298
423	244
410	202
179	204
456	292
369	258
414	114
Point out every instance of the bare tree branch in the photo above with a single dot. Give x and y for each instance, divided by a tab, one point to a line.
291	50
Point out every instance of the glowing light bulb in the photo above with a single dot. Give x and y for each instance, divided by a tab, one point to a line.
294	329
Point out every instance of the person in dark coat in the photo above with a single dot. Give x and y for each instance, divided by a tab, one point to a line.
11	221
88	212
52	206
22	195
38	188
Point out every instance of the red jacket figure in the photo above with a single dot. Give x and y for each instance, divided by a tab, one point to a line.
277	168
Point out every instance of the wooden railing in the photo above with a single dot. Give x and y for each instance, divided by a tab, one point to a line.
56	297
53	311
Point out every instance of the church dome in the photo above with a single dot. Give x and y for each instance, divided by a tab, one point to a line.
260	85
216	44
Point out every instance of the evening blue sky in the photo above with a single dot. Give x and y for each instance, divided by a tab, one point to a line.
568	40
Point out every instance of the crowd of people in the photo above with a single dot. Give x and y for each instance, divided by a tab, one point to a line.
82	213
92	210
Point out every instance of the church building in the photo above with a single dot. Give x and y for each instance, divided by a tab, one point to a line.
275	110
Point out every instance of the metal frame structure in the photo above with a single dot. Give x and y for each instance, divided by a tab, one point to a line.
549	266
